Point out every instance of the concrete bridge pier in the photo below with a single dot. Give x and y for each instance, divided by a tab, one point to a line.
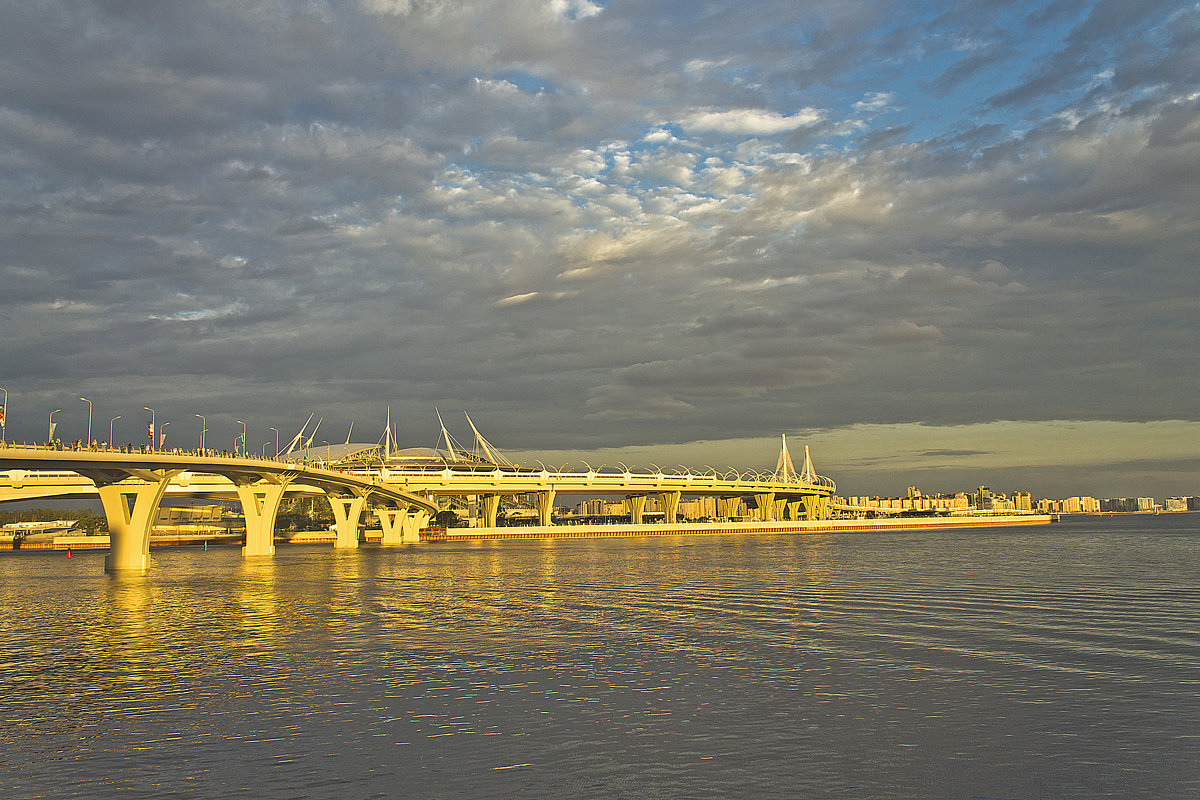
491	509
391	522
635	504
544	500
817	507
260	507
766	506
346	514
793	510
410	526
130	510
670	501
779	508
401	525
728	507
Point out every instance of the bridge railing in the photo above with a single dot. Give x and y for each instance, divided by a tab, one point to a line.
617	480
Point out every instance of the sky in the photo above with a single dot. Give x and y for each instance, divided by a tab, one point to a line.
942	244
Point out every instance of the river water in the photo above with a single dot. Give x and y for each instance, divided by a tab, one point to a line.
1042	662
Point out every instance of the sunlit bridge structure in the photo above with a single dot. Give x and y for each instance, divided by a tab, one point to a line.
401	487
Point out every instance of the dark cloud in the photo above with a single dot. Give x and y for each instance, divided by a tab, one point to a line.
601	223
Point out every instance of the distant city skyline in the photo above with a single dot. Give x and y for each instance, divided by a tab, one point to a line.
941	243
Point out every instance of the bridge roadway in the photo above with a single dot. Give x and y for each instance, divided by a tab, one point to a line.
775	499
131	486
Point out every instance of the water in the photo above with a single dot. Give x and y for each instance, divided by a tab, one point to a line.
1044	662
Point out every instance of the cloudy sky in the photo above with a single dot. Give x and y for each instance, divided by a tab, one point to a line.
942	243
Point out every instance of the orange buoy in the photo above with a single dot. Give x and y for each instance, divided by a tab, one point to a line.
69	553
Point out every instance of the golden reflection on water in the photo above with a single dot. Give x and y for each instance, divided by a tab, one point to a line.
715	666
258	609
120	642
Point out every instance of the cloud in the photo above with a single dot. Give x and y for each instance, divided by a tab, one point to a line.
603	223
749	121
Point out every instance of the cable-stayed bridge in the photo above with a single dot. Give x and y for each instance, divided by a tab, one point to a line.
402	488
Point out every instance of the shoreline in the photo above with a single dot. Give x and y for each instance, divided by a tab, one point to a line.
65	542
711	528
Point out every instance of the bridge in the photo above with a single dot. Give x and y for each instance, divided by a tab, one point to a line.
403	493
132	485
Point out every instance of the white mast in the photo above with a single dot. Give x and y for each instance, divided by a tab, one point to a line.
299	436
490	453
808	475
785	471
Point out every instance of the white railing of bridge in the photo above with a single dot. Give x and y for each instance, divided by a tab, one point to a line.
731	480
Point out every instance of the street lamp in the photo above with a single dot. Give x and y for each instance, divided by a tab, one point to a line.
3	414
89	402
50	435
152	428
276	441
203	430
162	437
243	435
264	448
110	429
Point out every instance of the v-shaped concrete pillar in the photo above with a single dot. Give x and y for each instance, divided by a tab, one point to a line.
728	506
491	509
346	513
544	501
670	501
766	506
780	507
401	525
636	505
411	525
817	507
130	509
793	510
260	507
390	525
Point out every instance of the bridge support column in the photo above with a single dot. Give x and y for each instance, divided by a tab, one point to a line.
670	501
130	510
491	509
766	506
545	506
401	525
391	522
778	509
793	510
260	507
728	507
346	513
816	507
635	504
415	520
412	524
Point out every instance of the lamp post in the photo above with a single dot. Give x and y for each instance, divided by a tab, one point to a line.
239	422
162	437
110	429
3	414
50	435
264	449
152	428
203	430
89	402
276	441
